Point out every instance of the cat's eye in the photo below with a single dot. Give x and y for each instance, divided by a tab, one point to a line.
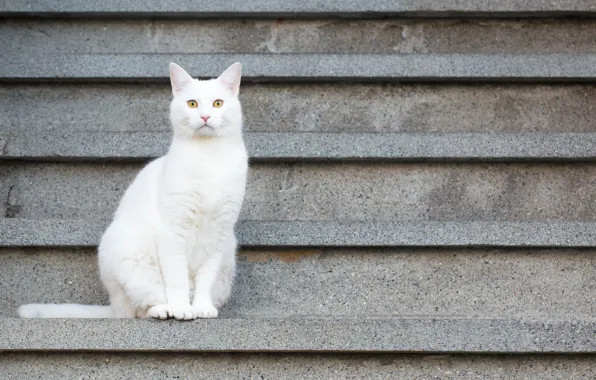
192	103
218	103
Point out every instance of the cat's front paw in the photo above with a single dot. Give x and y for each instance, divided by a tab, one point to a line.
163	311
204	310
183	312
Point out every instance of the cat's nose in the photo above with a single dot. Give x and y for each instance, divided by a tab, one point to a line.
205	118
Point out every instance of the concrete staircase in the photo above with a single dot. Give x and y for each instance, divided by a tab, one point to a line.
421	202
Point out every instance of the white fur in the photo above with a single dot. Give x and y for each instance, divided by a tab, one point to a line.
170	250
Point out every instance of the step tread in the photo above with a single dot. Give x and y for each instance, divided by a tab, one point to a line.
382	334
78	233
312	146
306	8
305	67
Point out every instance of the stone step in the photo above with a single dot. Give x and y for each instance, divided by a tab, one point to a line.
333	191
86	233
309	68
91	36
227	366
356	335
304	146
342	282
304	9
66	108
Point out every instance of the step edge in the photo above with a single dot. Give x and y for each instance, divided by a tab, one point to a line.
308	146
309	234
502	336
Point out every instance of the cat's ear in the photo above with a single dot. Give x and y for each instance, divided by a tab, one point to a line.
231	77
179	78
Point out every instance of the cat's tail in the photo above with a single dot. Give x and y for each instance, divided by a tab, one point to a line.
37	310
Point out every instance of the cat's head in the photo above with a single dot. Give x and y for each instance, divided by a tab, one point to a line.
207	108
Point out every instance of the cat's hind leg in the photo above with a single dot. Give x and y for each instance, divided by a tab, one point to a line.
120	304
131	272
143	286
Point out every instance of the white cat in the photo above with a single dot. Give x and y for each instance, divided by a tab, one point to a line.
170	250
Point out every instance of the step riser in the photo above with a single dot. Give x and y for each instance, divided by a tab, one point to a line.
335	282
25	366
351	191
293	108
338	36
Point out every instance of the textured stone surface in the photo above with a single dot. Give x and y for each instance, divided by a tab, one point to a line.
314	108
345	282
551	68
300	146
298	36
382	334
75	233
334	191
278	8
25	366
441	300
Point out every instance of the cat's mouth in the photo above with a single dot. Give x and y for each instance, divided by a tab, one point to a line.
205	128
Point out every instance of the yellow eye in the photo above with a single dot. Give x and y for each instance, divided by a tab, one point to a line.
192	103
218	103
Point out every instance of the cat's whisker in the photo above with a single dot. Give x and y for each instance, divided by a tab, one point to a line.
190	130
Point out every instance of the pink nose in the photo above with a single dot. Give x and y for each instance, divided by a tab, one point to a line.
205	118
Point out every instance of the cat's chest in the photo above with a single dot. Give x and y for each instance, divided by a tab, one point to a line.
208	191
210	186
202	183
